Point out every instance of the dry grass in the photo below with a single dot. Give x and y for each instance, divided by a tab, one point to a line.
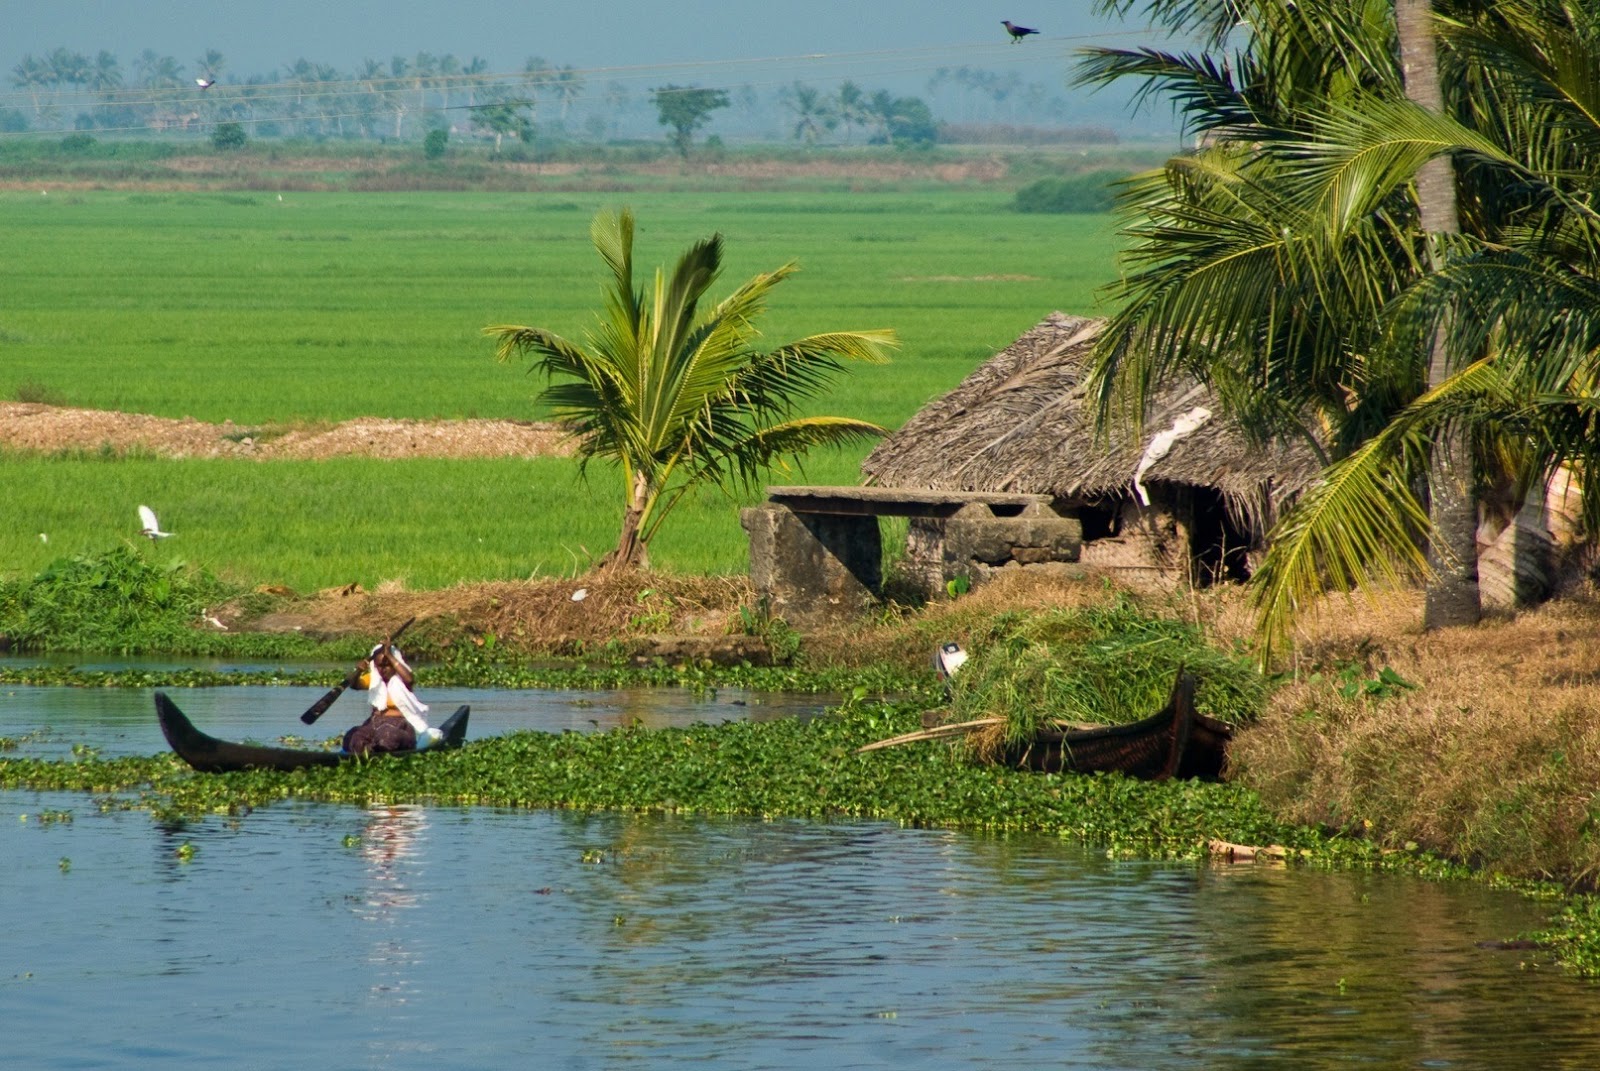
538	616
1494	758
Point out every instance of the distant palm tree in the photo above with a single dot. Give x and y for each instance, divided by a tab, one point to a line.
569	88
813	113
538	76
852	106
32	76
106	77
677	396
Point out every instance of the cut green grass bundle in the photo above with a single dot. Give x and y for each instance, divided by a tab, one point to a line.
1099	663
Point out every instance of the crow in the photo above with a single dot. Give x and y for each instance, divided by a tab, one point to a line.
1017	32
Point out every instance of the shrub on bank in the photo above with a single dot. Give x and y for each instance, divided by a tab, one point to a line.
1090	192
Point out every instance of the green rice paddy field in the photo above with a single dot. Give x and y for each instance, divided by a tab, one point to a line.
326	306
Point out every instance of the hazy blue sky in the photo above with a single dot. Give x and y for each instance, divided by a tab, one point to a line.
898	43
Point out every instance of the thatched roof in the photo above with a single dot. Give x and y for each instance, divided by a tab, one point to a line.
1022	422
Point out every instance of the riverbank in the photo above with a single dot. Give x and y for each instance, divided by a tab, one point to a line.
1450	753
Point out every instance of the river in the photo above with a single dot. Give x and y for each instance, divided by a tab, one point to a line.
431	938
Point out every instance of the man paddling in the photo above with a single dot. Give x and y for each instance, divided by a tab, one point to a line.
397	720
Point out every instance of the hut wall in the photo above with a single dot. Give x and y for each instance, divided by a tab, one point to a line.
975	543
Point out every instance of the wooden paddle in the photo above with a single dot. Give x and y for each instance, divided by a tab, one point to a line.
351	679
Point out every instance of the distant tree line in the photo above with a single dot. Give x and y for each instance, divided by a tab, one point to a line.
881	117
406	97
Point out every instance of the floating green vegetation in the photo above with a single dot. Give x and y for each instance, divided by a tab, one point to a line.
785	768
1103	664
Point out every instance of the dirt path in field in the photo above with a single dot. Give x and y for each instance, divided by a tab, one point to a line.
54	429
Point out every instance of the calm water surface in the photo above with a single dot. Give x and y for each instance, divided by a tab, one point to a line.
47	722
432	938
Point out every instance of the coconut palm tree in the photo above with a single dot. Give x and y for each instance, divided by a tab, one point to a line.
1519	289
813	113
676	395
1299	266
1452	595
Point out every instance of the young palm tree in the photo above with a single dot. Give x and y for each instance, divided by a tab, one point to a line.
676	395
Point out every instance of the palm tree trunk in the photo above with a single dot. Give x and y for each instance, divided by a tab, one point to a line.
1452	596
631	552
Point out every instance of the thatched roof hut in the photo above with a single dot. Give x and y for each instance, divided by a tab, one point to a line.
1023	422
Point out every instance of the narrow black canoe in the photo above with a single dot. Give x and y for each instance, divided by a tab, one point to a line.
1177	741
210	755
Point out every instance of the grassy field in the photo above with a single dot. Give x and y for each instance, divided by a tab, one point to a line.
326	306
317	524
321	306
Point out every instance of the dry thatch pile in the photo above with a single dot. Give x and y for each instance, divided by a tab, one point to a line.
1023	422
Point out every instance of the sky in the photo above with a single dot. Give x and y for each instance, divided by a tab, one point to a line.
896	44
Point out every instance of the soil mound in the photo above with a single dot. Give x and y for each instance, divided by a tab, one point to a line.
52	429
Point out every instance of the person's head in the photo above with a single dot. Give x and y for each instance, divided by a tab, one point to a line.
383	661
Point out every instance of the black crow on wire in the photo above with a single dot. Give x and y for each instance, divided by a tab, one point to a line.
1017	32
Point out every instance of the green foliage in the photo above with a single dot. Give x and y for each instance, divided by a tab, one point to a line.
39	394
77	143
229	137
117	601
686	109
781	639
1089	192
1354	682
1102	664
784	768
676	395
435	143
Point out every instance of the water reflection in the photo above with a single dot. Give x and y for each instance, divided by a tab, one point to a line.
394	877
428	938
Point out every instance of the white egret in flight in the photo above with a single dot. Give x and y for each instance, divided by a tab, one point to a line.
152	528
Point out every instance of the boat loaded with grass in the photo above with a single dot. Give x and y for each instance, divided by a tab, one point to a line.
1176	741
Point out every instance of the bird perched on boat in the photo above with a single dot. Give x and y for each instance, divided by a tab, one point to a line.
151	527
205	83
1017	32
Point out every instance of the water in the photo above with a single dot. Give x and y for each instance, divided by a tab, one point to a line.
47	722
438	938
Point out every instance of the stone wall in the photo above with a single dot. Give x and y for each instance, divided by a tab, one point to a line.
813	567
974	543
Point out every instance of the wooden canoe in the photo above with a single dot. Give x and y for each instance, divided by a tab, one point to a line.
210	755
1177	741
